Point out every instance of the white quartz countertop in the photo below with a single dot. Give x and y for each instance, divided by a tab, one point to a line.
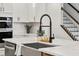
65	48
21	40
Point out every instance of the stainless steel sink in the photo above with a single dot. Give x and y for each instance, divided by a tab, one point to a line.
34	48
38	45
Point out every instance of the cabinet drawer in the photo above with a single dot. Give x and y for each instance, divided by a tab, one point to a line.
10	45
10	49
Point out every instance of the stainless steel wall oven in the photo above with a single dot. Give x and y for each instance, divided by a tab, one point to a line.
5	28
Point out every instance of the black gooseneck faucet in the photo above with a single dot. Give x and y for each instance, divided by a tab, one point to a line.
50	25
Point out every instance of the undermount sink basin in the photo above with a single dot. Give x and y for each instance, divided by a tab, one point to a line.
38	45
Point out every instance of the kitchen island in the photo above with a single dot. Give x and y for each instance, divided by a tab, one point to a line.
10	44
20	49
65	48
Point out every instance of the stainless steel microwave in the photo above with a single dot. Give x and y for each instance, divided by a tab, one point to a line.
5	22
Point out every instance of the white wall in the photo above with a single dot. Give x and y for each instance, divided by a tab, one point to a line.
56	15
19	29
54	10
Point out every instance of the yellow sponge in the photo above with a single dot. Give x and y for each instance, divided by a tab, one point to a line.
43	39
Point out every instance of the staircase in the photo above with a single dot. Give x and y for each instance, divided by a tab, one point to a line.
70	28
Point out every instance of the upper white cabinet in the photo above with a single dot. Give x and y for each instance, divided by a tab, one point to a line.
24	12
40	9
35	11
6	7
20	12
31	12
1	7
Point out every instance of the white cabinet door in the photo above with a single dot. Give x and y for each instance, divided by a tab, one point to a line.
39	11
30	12
20	12
1	7
8	7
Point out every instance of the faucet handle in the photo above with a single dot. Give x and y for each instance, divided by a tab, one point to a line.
52	37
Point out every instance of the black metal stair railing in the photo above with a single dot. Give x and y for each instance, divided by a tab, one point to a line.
73	7
66	29
70	15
